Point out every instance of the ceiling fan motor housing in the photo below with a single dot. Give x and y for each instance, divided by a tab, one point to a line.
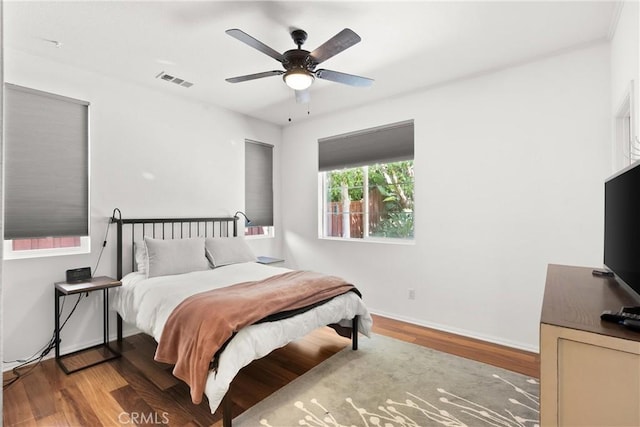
298	58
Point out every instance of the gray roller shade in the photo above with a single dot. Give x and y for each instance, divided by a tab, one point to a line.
258	182
46	165
383	144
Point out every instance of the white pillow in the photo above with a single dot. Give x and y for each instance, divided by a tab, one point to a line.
228	250
142	260
175	256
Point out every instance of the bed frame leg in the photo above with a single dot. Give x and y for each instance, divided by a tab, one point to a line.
226	409
119	328
354	333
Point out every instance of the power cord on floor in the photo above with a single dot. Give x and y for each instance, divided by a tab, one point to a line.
44	351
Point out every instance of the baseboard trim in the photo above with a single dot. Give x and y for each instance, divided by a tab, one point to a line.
462	332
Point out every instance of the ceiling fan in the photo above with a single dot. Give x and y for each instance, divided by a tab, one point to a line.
300	65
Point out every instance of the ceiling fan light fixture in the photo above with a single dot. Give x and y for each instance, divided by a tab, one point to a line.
298	79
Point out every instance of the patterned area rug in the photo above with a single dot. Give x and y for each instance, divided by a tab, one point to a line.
390	383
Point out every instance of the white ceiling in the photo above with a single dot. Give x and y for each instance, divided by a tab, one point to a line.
405	45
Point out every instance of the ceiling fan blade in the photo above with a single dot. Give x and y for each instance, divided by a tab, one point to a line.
254	43
303	96
344	78
254	76
336	44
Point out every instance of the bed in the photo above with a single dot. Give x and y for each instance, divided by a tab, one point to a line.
152	292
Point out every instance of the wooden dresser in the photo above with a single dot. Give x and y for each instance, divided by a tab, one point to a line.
589	369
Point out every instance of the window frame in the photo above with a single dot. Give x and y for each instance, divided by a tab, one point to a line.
85	241
625	127
385	144
323	201
268	230
10	253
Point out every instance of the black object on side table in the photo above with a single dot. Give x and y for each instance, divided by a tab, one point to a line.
94	284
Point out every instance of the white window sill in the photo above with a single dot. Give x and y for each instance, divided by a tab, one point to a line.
259	237
385	241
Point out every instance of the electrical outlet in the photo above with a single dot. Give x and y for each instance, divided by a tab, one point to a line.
412	294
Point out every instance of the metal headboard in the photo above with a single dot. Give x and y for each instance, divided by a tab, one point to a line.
168	228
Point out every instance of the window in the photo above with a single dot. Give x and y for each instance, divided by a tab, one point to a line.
258	187
367	181
46	174
627	142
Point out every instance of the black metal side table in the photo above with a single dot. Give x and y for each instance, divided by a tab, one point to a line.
103	283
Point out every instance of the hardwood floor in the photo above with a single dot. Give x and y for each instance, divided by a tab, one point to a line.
135	390
524	362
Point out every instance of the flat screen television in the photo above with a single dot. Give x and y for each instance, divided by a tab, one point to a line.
622	227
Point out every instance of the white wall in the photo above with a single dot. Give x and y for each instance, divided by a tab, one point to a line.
152	154
1	189
509	172
625	67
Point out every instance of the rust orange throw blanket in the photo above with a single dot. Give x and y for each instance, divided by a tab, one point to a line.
202	323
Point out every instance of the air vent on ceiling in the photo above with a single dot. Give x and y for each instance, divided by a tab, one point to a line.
173	79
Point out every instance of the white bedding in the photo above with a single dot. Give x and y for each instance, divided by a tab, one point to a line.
148	302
